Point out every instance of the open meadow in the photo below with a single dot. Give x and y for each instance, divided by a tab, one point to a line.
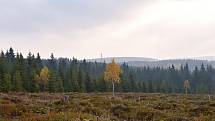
103	107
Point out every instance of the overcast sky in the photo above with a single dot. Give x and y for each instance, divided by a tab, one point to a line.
85	28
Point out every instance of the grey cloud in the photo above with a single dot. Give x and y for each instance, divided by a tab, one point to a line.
68	27
33	15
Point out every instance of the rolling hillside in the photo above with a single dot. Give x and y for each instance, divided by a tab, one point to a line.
141	61
121	59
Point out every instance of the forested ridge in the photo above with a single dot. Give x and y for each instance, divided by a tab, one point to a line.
33	74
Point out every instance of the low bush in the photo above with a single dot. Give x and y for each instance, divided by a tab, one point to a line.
8	110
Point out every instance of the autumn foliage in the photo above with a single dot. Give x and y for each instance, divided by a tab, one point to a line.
112	73
44	77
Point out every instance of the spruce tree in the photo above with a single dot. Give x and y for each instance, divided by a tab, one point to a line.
6	83
17	85
89	84
2	68
59	87
131	83
39	63
52	83
55	83
81	81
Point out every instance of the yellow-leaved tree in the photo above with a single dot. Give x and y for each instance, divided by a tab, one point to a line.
44	77
112	74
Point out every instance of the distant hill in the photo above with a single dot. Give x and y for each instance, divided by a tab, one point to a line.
208	58
167	63
121	59
150	62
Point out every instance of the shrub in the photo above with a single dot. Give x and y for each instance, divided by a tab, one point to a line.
8	110
149	115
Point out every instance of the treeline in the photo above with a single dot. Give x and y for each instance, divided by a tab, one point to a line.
33	74
171	80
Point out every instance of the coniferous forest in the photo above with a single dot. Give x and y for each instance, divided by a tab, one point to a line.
33	74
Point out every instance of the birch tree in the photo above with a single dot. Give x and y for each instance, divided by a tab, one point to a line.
112	74
186	85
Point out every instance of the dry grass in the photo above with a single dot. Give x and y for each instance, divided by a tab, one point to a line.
101	106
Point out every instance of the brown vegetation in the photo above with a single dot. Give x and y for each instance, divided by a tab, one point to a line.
102	107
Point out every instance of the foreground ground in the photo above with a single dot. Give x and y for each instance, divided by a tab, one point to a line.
102	107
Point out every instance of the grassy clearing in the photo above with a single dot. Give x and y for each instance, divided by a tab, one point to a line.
102	107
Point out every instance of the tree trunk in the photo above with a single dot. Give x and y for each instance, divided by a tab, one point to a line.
209	97
113	89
